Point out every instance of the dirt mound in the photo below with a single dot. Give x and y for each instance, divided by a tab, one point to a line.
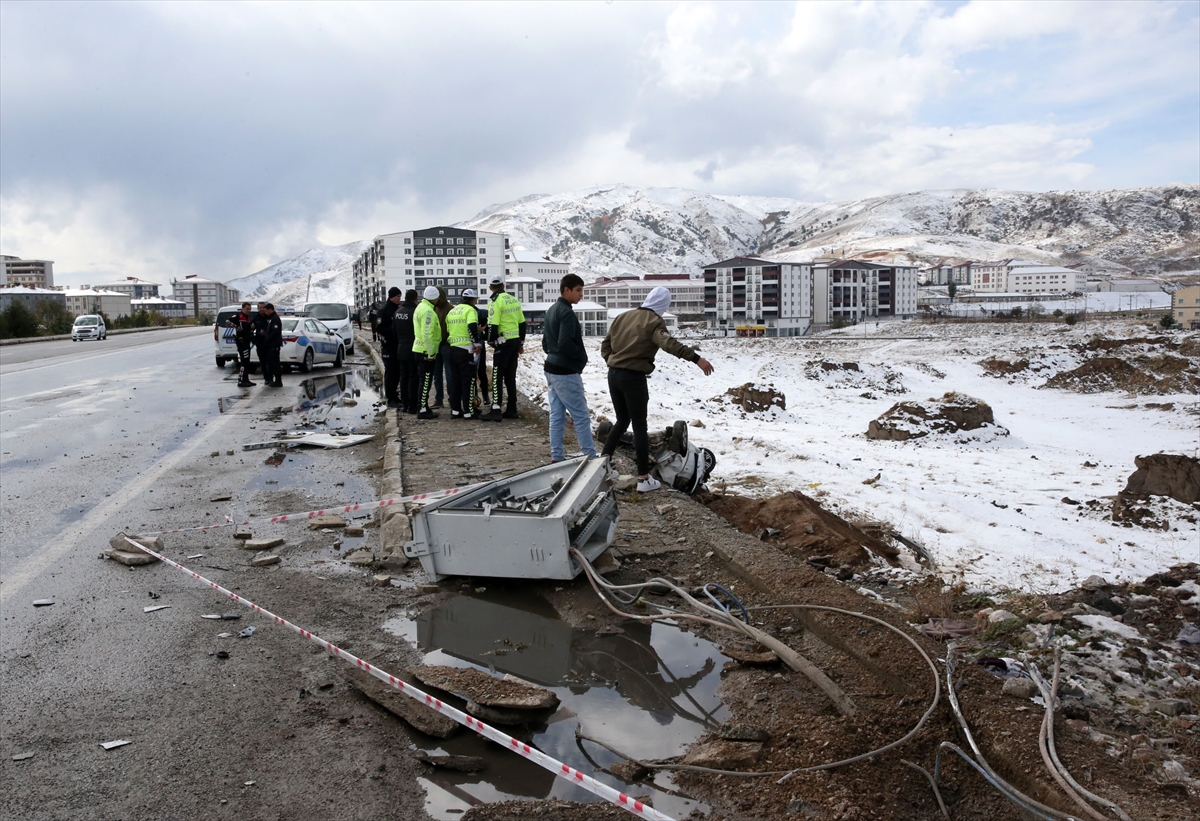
1003	367
1163	374
913	420
828	366
756	398
1100	343
1164	474
800	525
856	376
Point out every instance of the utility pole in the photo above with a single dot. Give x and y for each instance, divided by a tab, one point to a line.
308	290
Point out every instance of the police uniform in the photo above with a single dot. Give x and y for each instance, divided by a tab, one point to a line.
243	338
427	337
506	332
462	337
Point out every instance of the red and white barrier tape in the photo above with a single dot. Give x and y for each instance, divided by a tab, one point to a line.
535	755
309	514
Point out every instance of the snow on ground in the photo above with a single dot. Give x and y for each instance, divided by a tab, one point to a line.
989	508
1095	302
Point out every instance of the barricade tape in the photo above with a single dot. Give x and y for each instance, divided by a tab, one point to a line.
563	771
310	514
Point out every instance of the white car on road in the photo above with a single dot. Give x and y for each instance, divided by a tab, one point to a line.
336	317
88	326
307	342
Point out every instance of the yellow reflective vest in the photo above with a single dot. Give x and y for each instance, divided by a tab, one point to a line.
427	329
458	324
505	314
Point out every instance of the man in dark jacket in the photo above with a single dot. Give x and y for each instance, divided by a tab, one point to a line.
406	360
373	321
270	341
629	348
243	325
387	347
562	340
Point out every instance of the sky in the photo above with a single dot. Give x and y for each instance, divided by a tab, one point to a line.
171	138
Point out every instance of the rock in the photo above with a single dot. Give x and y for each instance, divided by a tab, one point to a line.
318	522
1050	617
118	542
1189	634
361	558
756	398
629	770
759	657
743	732
662	509
1173	772
1019	688
129	558
1164	474
724	755
952	413
395	561
382	580
262	544
997	616
1170	706
606	563
353	531
625	484
413	712
486	690
263	560
500	715
243	534
428	588
458	763
1094	583
696	423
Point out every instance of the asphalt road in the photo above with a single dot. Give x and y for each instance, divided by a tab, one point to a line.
135	433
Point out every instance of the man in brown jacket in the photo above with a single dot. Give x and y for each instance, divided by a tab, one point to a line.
629	348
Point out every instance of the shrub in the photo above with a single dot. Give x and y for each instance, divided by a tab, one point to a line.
1071	319
17	321
1167	321
1058	312
52	317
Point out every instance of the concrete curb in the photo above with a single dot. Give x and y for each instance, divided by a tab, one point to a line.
395	528
25	340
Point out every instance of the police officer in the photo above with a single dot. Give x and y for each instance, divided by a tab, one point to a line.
243	337
406	360
269	342
462	336
427	336
387	347
506	333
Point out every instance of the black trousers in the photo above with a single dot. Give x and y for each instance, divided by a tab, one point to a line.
630	397
462	380
425	378
482	374
269	360
391	371
406	363
504	373
243	363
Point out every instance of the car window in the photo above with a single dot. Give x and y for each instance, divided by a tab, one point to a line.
310	326
327	310
290	324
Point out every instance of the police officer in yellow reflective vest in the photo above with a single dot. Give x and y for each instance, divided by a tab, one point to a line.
462	335
427	336
506	333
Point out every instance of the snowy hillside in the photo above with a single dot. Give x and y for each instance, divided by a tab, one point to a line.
287	283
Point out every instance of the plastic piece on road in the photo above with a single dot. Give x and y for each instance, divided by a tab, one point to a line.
112	745
155	607
247	633
43	602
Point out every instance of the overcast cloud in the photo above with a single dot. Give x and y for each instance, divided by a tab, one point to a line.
164	139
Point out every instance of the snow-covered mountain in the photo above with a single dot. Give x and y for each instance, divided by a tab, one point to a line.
623	229
287	283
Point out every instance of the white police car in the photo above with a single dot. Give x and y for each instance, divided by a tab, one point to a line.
223	337
307	342
336	317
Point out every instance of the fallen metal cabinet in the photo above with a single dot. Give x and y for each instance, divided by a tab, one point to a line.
520	527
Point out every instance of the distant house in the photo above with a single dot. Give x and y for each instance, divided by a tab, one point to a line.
956	271
87	300
528	290
136	288
203	295
593	318
758	297
853	290
35	273
1185	307
29	297
453	258
519	262
1022	276
687	295
170	308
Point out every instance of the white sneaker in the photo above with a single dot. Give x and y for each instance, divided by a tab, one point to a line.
648	484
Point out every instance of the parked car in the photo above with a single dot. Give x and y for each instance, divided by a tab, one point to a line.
223	337
308	342
88	326
336	317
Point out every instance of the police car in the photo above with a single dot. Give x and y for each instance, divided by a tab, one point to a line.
223	336
336	317
307	342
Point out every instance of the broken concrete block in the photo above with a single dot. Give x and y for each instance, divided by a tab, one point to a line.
382	580
1019	688
318	522
395	561
624	484
458	763
413	712
129	558
221	497
724	755
353	530
486	690
262	544
1170	706
263	560
243	534
428	588
118	542
664	508
361	558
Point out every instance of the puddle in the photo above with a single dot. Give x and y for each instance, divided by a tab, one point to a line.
650	691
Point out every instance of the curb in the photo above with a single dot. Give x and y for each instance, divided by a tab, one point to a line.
25	340
395	528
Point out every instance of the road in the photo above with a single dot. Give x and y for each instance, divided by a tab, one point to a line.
135	433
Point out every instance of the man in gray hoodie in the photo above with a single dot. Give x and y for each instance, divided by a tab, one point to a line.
629	349
562	340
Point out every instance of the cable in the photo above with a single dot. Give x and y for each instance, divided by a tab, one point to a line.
1000	785
932	785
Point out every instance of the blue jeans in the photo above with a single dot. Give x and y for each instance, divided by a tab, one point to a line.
567	396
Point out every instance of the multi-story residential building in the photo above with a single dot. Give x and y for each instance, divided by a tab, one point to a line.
1185	307
203	296
529	290
454	258
897	290
956	271
763	296
519	262
593	318
687	295
991	277
87	300
852	290
29	297
170	308
34	273
136	288
1022	276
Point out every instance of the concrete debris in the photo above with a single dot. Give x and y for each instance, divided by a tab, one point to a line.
662	509
361	557
122	551
382	580
724	755
1019	688
1170	706
625	484
43	602
112	745
500	715
424	589
478	686
353	531
130	559
221	497
23	756
243	534
318	522
262	544
263	560
415	714
155	607
458	763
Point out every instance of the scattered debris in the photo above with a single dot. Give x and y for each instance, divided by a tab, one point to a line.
123	552
243	534
264	560
412	712
221	497
112	745
328	520
382	580
23	756
353	531
320	440
196	556
43	602
247	633
155	607
458	763
262	544
486	690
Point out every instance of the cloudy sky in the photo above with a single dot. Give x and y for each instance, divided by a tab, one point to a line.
163	139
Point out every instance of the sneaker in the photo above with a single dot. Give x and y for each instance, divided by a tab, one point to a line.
469	416
455	414
648	485
427	414
247	384
493	415
511	414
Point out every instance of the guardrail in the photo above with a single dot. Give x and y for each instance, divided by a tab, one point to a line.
27	339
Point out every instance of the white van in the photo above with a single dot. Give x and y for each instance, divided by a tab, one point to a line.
336	317
88	326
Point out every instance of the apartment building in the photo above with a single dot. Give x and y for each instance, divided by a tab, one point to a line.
454	258
519	262
851	290
758	296
170	308
136	288
593	318
1185	307
956	271
687	295
87	300
29	297
1022	276
202	295
529	290
33	273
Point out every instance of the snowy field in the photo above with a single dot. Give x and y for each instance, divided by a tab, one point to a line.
1106	302
988	506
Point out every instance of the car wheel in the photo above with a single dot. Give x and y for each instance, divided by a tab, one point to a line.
341	355
307	364
220	362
